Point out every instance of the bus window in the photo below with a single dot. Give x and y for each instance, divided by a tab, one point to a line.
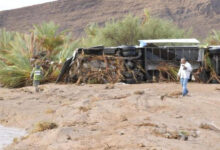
178	53
171	54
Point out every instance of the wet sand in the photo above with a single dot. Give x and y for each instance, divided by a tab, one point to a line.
107	117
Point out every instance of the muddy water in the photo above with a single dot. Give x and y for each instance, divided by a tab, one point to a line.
8	134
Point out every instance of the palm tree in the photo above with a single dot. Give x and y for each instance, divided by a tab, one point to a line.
49	37
15	68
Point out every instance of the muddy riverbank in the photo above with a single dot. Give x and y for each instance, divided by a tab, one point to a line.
121	116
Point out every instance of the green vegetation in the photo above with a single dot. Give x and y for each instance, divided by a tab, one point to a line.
51	46
19	52
48	38
5	38
15	66
131	29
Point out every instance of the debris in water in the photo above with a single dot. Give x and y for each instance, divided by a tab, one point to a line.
209	126
175	94
139	92
178	134
42	126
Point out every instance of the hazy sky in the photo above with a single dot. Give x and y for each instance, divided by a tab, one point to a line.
12	4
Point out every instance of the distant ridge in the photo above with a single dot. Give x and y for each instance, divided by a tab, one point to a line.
200	15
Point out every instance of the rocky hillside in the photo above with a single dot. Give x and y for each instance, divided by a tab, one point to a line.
200	15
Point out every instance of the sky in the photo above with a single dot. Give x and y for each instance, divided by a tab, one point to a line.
12	4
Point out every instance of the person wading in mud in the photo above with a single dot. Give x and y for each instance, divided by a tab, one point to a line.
37	75
184	75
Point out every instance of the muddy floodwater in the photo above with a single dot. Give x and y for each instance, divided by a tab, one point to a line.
113	116
8	134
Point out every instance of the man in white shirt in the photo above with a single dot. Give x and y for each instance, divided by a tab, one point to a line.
184	75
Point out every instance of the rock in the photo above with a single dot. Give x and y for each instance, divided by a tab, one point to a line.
195	134
82	84
160	131
178	117
69	138
65	134
19	103
41	89
61	91
123	118
121	133
84	109
120	96
147	124
218	89
141	145
110	86
120	83
162	97
139	92
27	91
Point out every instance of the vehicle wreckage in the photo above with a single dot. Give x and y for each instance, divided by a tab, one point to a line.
152	60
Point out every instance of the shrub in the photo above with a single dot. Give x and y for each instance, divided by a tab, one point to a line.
131	29
214	38
121	32
162	29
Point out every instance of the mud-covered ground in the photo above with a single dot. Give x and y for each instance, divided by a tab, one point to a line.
109	117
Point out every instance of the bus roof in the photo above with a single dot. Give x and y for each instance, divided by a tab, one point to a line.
179	41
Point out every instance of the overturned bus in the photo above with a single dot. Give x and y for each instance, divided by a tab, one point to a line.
152	60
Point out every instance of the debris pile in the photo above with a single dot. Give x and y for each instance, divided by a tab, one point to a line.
167	72
179	134
96	70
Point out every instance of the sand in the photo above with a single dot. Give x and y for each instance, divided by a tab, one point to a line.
109	117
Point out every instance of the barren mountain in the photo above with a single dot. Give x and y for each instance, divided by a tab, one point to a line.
200	15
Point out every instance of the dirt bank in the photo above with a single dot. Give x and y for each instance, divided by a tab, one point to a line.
93	117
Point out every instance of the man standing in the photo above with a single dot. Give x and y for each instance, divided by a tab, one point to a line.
184	75
36	75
